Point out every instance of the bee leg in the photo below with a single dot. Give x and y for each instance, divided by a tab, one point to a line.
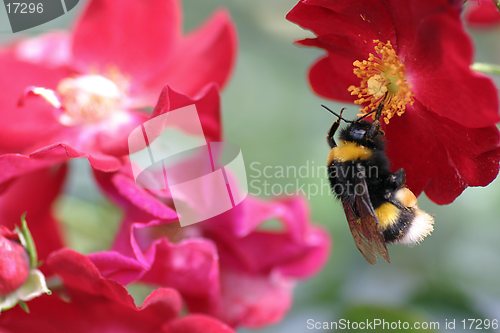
330	138
398	178
397	204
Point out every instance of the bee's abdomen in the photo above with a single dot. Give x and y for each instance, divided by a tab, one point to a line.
406	224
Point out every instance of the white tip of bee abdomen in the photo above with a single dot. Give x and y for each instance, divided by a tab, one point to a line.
421	227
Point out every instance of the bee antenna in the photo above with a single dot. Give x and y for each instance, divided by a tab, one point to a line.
337	115
377	111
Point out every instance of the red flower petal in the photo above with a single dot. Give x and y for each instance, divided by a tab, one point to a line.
482	14
91	304
359	21
330	81
408	17
440	156
35	194
136	36
438	68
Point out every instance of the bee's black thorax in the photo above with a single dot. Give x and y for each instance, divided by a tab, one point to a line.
342	174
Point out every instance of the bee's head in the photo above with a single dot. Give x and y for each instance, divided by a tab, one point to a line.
363	133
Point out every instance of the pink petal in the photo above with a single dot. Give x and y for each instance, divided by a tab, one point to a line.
254	301
53	49
136	37
122	187
205	56
19	164
191	267
196	324
24	127
118	267
297	250
207	103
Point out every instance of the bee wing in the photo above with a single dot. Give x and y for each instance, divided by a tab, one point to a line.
363	224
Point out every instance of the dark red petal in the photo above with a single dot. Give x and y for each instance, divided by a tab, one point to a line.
359	21
90	303
205	56
35	193
135	36
79	273
197	323
440	156
330	77
409	16
438	66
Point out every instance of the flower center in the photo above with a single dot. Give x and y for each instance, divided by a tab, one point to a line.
88	99
382	81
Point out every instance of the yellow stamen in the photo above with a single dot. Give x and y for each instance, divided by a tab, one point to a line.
382	80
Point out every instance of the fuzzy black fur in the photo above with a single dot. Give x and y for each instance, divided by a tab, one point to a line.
380	181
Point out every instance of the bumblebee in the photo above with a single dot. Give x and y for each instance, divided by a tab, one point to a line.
379	208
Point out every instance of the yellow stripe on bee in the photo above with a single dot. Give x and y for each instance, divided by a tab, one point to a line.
348	151
387	215
406	197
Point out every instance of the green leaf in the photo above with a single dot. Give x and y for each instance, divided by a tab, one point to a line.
27	242
443	298
24	306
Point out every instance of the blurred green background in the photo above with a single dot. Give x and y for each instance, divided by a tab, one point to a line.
270	111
